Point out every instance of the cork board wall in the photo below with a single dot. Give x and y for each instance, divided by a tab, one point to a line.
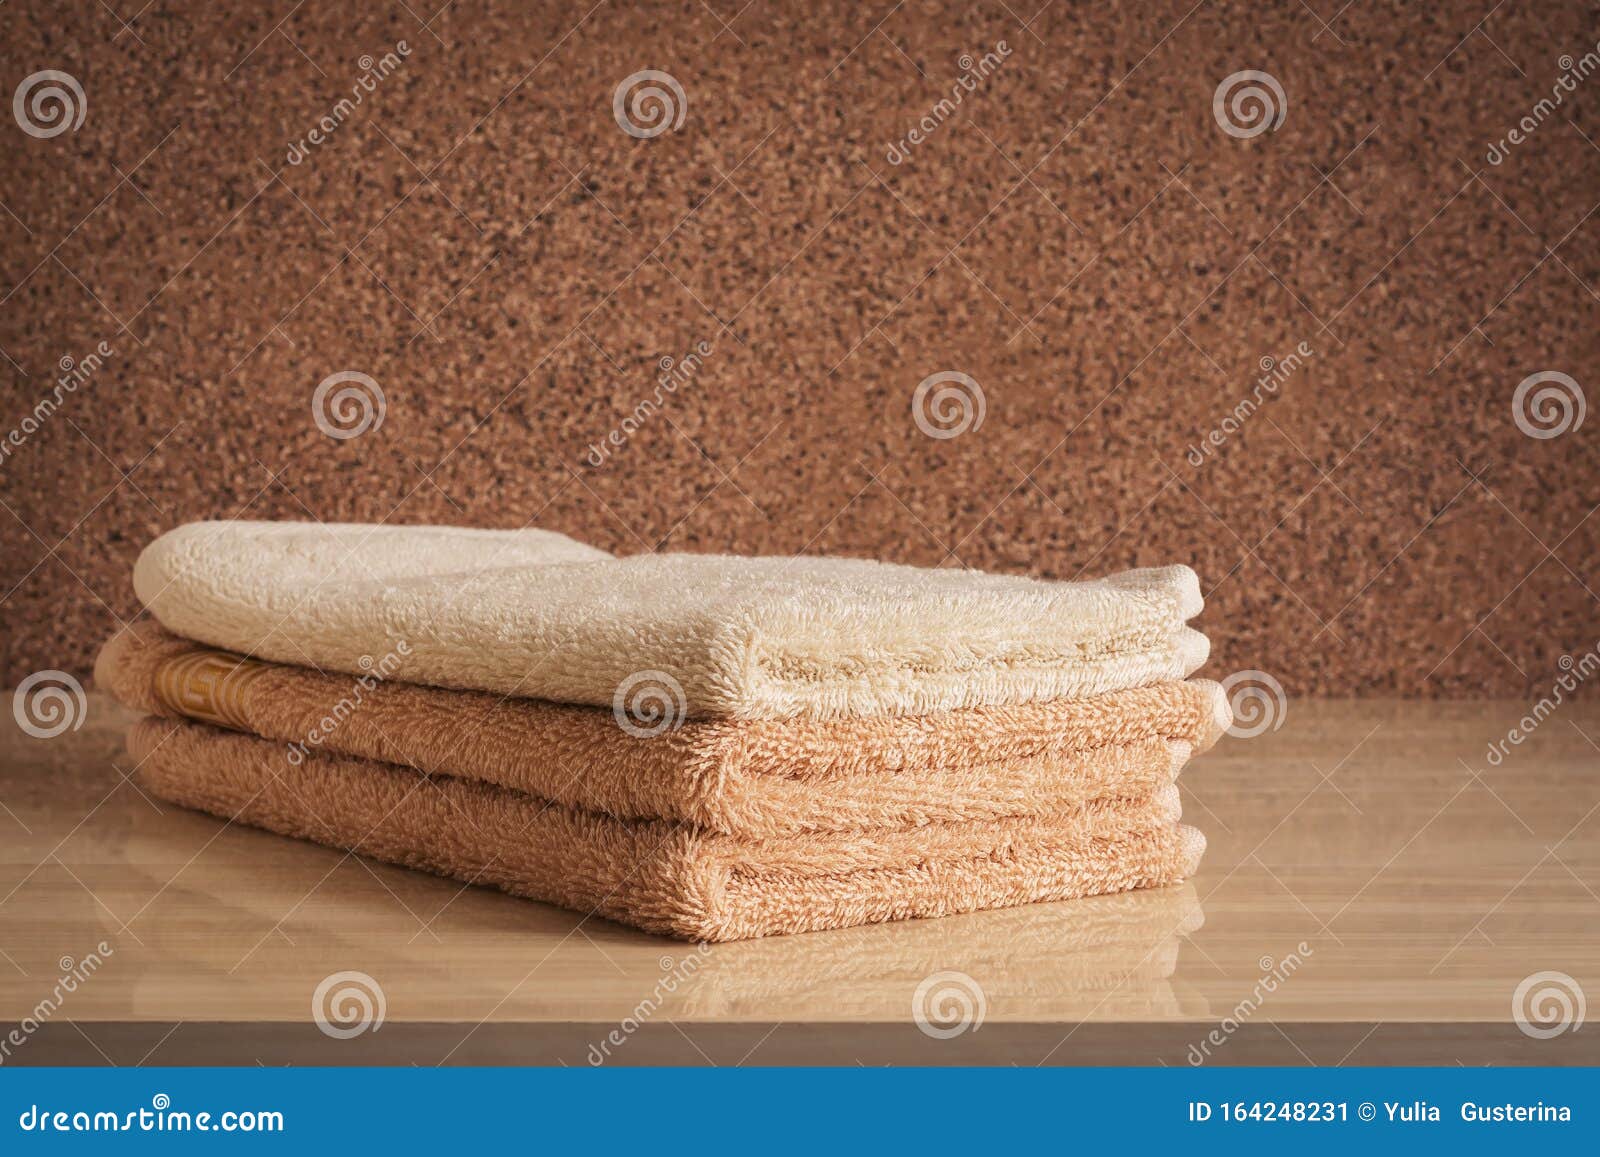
1303	295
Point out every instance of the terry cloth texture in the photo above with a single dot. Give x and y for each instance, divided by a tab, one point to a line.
538	615
752	778
665	877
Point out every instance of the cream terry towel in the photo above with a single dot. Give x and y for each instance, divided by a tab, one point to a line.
535	614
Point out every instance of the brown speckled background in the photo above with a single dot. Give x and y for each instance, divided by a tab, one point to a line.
1081	238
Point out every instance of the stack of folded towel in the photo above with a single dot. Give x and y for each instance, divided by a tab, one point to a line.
705	746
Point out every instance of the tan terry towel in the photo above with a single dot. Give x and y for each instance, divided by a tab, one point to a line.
658	876
758	778
535	614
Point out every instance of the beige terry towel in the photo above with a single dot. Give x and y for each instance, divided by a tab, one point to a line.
755	778
664	877
535	614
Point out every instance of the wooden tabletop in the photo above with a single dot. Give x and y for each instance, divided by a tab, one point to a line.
1373	879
